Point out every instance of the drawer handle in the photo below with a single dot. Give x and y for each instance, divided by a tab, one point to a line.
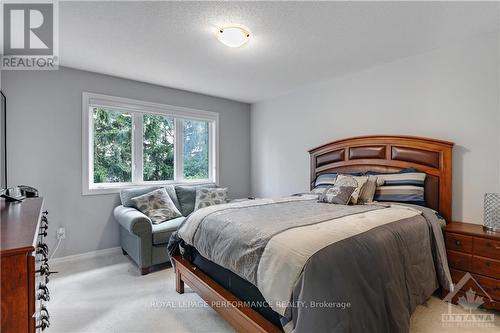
493	245
44	312
43	296
458	243
44	323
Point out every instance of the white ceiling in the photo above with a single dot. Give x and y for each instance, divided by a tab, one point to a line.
294	43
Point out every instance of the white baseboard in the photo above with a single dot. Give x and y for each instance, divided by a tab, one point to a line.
87	255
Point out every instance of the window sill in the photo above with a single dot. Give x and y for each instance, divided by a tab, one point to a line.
113	189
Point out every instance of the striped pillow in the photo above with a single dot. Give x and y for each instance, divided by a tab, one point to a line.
320	189
325	179
408	194
402	179
323	182
402	187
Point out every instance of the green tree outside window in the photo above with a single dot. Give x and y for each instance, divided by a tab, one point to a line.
112	146
158	148
195	149
113	133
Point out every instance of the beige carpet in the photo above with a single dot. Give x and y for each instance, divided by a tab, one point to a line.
107	294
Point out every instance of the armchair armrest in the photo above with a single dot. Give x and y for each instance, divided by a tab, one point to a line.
133	220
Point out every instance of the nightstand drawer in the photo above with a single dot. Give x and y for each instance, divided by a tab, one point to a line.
489	248
491	286
458	242
460	260
488	304
486	266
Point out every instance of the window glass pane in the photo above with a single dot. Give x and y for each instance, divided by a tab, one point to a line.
112	146
158	148
195	149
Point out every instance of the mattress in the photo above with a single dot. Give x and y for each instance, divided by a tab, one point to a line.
238	286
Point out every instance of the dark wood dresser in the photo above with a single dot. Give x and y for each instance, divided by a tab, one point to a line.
24	266
473	250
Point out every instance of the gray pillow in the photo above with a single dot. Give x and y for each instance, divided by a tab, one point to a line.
186	194
171	193
157	205
127	195
348	180
210	196
337	195
368	190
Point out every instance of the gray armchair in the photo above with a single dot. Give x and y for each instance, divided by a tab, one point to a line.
144	242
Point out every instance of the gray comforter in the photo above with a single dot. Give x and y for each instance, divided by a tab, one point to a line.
369	279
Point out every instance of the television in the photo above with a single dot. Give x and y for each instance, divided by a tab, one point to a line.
3	141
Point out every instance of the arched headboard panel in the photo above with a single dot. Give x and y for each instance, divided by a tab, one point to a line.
391	153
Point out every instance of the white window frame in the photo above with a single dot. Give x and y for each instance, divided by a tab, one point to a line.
138	108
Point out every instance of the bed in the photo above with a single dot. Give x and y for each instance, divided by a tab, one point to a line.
292	264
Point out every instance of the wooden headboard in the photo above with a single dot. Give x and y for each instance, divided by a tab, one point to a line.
391	153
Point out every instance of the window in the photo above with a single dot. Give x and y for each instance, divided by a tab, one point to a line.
158	148
195	149
112	146
130	143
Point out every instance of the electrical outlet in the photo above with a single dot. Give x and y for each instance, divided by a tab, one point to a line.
61	233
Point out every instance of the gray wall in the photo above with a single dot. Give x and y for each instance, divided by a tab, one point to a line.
44	145
450	93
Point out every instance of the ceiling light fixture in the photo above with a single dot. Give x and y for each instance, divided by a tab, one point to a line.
233	36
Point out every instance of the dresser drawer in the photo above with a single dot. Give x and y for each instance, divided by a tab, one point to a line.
460	260
458	242
490	286
489	248
486	266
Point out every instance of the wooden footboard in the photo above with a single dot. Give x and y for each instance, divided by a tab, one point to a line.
240	316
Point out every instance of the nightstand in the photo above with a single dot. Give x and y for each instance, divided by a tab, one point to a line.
474	250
